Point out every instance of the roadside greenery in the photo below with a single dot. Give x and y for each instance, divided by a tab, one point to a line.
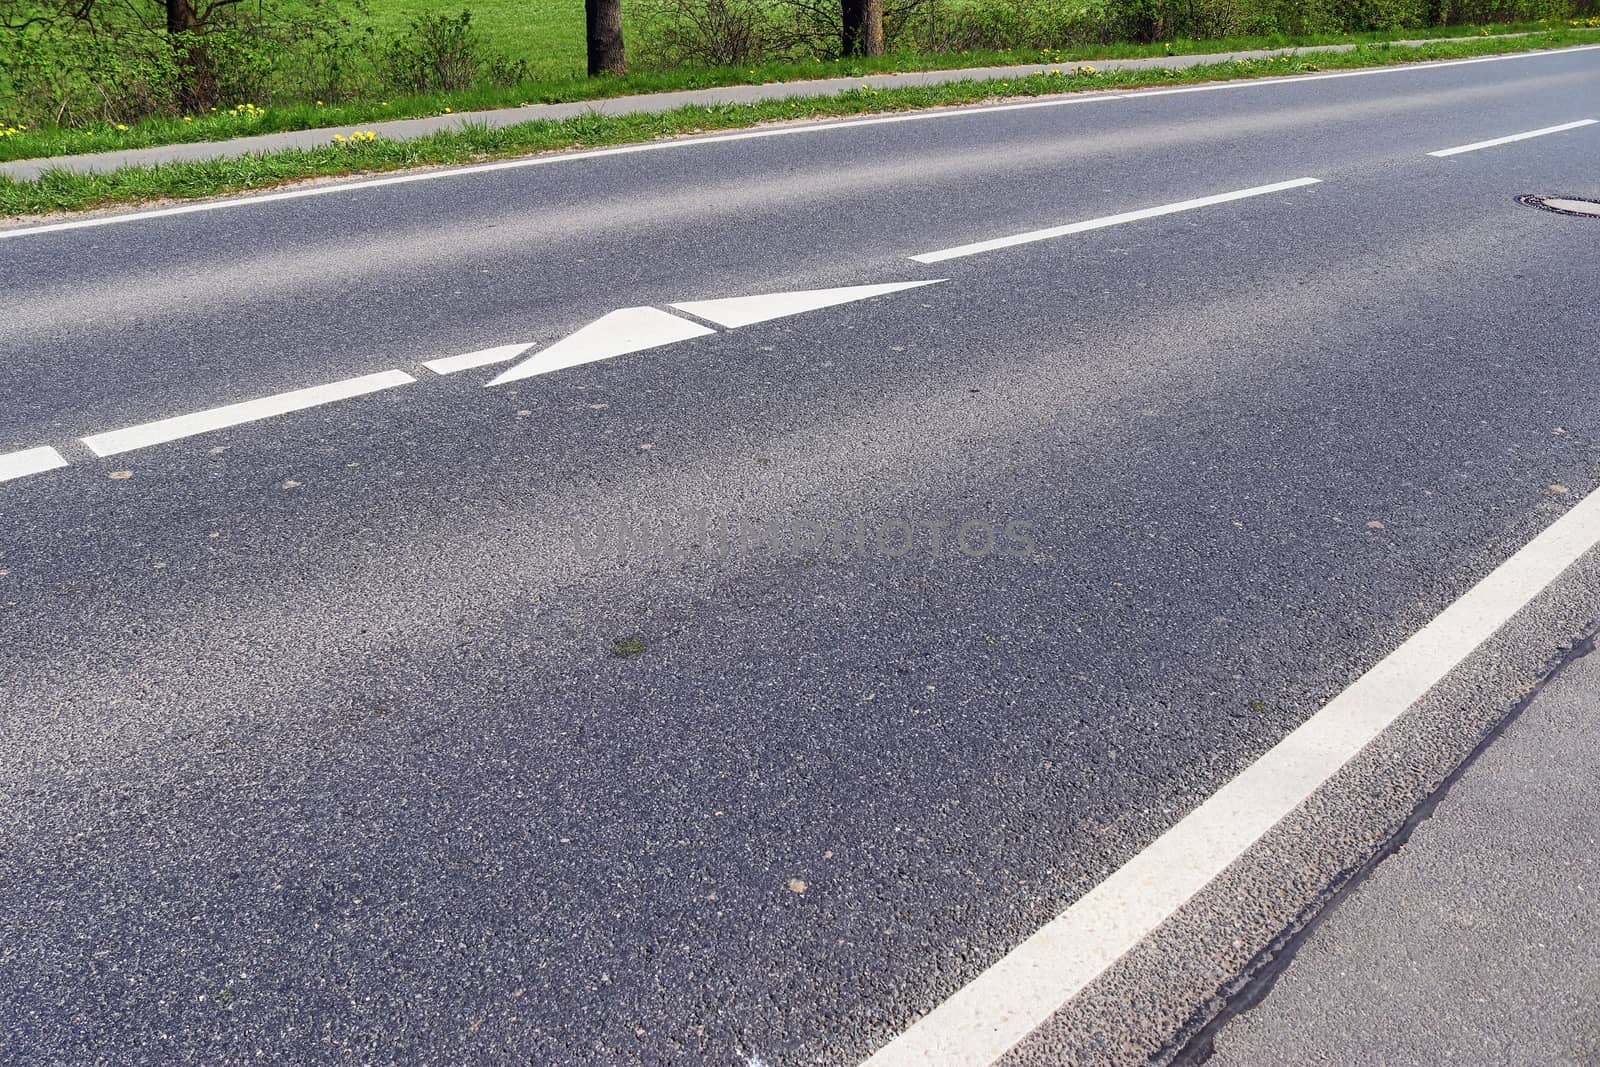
437	78
86	63
62	191
178	69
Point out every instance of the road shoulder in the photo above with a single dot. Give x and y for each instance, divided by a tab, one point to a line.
1473	943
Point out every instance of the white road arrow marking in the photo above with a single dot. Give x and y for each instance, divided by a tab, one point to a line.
636	329
747	310
469	360
29	461
616	334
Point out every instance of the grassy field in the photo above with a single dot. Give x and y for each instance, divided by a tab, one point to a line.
63	191
548	34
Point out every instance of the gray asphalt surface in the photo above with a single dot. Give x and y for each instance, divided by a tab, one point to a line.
649	103
1474	942
315	746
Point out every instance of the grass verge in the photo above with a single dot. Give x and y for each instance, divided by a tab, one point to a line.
243	120
58	191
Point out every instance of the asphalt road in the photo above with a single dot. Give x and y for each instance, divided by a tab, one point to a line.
316	740
1473	942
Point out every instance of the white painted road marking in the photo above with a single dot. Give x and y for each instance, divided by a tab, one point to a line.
737	311
616	334
1565	126
1063	100
471	360
29	461
638	328
181	426
1009	1000
980	247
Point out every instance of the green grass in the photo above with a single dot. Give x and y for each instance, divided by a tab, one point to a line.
62	191
226	124
547	34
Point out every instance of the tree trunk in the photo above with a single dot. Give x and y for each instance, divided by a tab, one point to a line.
196	79
604	19
863	27
872	39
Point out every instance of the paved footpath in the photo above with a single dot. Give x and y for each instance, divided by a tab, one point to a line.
649	103
1475	942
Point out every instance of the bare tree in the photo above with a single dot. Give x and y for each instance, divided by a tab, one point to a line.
606	55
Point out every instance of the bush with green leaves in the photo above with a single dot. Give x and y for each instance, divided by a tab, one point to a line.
441	53
713	33
80	78
73	62
739	32
92	61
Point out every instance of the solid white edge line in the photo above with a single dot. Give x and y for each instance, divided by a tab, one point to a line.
29	461
181	426
1513	137
750	135
482	358
979	247
1001	1006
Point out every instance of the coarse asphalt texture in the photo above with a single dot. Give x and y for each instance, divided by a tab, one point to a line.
1474	942
456	724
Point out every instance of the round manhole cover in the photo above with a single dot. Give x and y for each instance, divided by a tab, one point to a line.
1564	205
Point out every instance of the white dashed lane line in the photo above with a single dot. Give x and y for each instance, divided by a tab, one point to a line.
29	461
820	128
1495	142
617	333
979	247
629	329
181	426
625	331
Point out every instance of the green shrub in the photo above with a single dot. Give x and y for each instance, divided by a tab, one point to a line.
443	53
716	33
116	65
434	53
76	79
